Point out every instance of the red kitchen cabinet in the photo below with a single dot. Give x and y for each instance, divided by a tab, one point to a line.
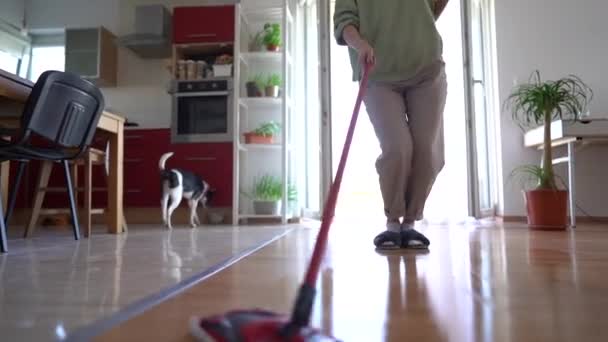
143	149
203	24
212	162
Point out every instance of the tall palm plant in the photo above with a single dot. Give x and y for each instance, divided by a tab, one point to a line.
539	103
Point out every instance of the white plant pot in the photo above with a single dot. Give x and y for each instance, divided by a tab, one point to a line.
222	70
267	207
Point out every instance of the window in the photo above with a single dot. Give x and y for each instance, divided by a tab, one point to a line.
8	62
46	58
14	49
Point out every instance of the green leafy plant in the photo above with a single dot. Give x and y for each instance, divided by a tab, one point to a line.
274	80
538	103
530	176
272	35
267	129
292	192
268	188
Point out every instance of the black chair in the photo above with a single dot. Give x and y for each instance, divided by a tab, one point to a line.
58	123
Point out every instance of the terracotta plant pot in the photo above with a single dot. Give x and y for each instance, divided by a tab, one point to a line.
547	209
252	138
273	48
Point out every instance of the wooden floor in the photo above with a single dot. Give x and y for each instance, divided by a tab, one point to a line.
475	284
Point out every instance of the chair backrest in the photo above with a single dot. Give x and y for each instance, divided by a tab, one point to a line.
64	109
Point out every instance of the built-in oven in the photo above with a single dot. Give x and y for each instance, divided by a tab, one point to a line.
202	111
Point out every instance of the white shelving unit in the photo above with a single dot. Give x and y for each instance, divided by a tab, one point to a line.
255	160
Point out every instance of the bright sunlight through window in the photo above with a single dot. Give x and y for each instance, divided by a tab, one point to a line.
47	58
8	62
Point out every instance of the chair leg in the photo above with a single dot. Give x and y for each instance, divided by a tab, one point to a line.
68	180
74	171
13	195
43	182
88	191
3	238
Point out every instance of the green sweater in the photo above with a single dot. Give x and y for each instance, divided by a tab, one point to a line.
401	32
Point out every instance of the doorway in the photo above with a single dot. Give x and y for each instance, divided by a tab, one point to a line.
450	199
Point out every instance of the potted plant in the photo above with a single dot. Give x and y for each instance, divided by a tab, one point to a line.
264	134
223	66
254	86
257	42
272	85
292	198
534	104
267	194
272	36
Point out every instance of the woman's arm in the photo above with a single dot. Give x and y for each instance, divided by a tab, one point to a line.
351	36
346	13
439	7
354	40
346	30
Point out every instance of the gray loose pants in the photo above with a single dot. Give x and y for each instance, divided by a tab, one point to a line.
407	117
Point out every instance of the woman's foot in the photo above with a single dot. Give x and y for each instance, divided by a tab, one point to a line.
411	238
391	237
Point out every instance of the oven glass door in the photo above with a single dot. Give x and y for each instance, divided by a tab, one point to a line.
203	113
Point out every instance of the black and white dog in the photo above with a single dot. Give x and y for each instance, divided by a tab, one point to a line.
177	184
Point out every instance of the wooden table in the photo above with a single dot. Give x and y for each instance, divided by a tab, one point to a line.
15	90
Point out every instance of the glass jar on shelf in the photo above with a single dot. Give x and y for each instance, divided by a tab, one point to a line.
191	69
201	67
181	70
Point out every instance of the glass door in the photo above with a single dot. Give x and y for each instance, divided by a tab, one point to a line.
308	109
480	121
324	9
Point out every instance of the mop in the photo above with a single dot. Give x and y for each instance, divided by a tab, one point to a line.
265	326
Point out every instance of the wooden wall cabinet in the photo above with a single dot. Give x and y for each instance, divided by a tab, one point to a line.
92	54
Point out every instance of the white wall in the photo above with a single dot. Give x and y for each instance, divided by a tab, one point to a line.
558	37
141	94
45	14
12	11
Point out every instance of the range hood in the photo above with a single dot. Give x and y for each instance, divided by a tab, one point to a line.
152	36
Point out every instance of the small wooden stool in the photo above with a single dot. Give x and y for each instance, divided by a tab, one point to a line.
92	157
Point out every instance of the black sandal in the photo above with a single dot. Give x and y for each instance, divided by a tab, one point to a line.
388	240
413	239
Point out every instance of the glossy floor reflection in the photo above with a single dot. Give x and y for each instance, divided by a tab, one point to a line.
475	284
51	285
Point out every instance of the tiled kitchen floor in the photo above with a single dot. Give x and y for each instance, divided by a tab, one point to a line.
51	284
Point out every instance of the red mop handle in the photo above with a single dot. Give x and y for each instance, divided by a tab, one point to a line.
330	205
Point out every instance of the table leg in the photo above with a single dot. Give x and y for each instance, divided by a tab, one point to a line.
4	173
115	191
571	184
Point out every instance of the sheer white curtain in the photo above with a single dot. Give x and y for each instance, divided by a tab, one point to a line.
360	195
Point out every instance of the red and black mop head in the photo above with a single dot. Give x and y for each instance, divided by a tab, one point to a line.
265	326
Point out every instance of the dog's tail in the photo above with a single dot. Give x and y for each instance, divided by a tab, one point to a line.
163	160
